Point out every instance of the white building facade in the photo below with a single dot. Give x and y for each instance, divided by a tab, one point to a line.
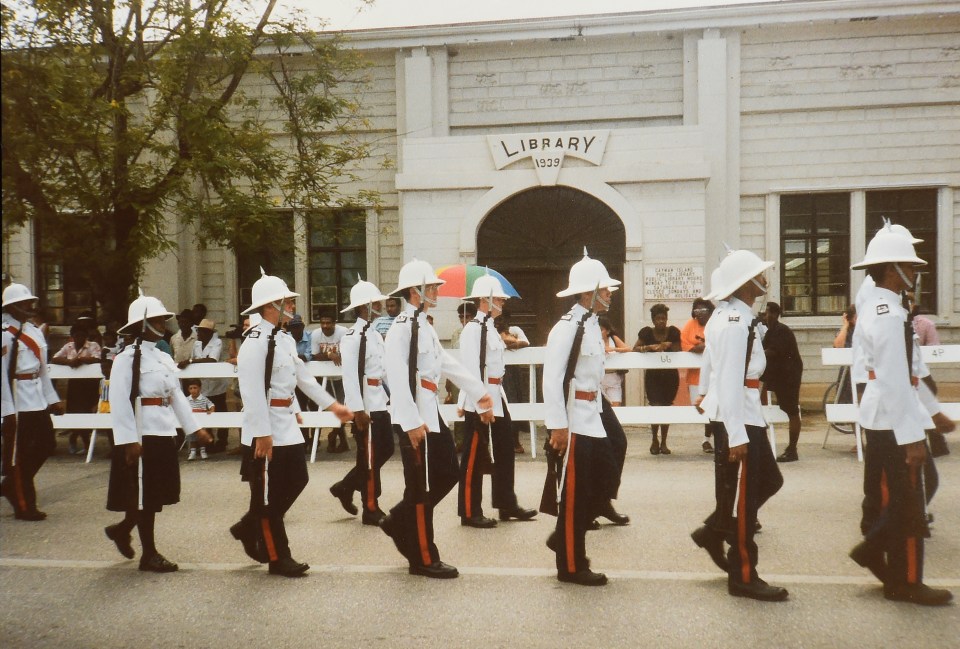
653	139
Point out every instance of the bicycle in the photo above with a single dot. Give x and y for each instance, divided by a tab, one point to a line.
839	392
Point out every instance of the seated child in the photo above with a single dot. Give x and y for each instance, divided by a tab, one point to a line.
198	403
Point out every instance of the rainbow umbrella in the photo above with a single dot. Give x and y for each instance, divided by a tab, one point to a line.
460	279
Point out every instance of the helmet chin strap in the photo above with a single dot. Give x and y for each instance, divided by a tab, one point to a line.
278	305
422	292
152	328
763	289
374	312
903	276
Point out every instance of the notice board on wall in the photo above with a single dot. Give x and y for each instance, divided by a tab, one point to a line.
662	282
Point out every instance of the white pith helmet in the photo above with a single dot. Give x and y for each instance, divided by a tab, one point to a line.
714	283
487	286
736	269
587	275
896	228
364	293
143	308
266	290
17	293
416	273
888	246
254	320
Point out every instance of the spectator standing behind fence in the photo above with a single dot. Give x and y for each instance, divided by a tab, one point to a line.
82	394
209	349
382	324
783	374
660	385
844	339
693	339
182	341
923	326
612	384
325	346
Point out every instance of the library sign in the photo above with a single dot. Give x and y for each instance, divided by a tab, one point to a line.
548	150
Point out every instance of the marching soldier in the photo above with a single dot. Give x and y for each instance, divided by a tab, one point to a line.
147	407
481	352
28	399
894	522
415	364
587	466
361	351
746	471
273	463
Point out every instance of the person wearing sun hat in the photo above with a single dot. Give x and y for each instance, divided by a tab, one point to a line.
269	370
415	365
894	522
147	407
481	352
746	470
361	353
587	462
28	399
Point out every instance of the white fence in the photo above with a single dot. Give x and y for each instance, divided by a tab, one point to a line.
531	412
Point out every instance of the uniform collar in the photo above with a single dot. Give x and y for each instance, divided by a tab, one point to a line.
887	294
741	306
10	321
146	344
360	324
266	326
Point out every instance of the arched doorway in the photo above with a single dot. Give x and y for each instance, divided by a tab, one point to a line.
535	236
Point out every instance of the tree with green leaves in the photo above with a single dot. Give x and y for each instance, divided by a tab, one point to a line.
124	120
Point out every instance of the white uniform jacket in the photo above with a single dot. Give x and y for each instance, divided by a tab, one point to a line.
890	401
708	374
495	366
33	394
432	362
737	406
158	379
582	417
357	392
289	372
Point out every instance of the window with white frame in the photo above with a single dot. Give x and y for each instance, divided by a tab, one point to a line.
336	256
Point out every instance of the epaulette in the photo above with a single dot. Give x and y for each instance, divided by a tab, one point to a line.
403	317
883	308
254	334
567	316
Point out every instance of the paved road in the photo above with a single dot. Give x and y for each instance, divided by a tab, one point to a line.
63	585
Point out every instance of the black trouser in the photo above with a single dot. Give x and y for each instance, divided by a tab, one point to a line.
24	452
414	514
584	489
274	487
362	477
475	459
741	489
219	402
894	519
618	444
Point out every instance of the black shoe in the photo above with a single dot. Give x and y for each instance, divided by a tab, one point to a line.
583	578
613	516
288	567
917	594
655	447
438	570
517	512
707	447
480	522
250	540
345	497
389	527
31	515
372	518
712	542
663	449
757	589
157	563
789	455
871	558
593	525
121	540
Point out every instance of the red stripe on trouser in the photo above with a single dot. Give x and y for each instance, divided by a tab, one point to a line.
371	480
912	540
468	481
571	487
742	524
884	490
265	525
422	535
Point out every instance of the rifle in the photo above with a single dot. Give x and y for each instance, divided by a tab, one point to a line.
483	378
361	370
135	402
423	480
551	484
11	377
